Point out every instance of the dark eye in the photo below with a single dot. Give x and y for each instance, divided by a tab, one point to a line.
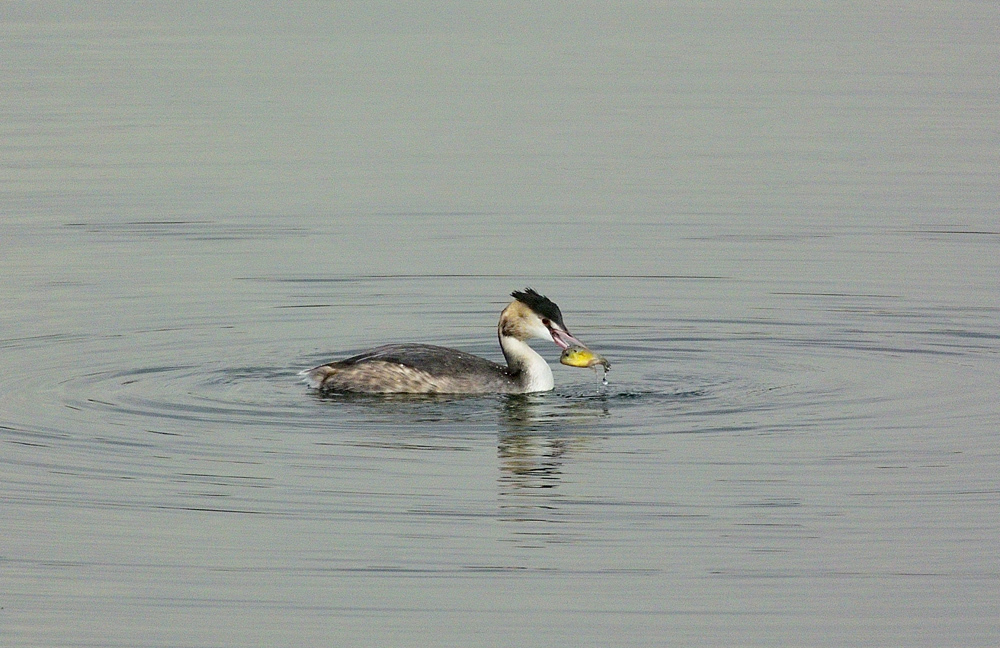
546	322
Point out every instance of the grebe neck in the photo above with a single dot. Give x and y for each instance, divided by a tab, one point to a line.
525	365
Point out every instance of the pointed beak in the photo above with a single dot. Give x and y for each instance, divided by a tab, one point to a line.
563	339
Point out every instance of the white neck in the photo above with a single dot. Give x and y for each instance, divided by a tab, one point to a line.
533	373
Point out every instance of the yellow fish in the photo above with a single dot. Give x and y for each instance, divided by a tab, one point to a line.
578	356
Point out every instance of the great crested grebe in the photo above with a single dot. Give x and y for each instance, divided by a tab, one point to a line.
429	369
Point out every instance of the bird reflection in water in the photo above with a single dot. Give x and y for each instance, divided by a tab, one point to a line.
534	445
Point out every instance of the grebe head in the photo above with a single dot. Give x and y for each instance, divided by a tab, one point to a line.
535	316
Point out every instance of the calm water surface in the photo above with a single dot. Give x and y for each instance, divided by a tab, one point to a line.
777	221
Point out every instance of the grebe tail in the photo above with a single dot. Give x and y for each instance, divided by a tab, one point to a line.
430	369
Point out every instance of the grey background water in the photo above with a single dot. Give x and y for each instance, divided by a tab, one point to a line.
777	220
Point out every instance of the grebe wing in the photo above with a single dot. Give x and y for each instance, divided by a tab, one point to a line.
412	368
426	357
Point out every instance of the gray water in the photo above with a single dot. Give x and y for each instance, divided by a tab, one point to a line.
778	221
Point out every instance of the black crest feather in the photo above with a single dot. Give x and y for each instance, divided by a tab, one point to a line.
541	304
